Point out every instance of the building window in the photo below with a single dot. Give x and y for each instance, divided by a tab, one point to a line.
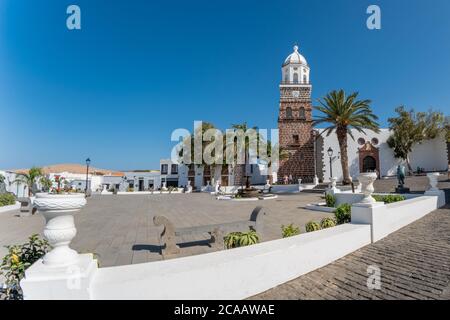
164	168
295	77
361	141
174	169
305	79
288	113
375	141
302	113
295	138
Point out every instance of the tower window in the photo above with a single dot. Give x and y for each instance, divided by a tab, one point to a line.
304	79
295	138
295	77
302	113
288	113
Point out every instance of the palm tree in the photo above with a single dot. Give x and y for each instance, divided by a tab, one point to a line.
283	155
344	113
240	169
205	126
30	178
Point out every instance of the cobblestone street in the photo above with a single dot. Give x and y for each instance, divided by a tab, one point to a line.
414	264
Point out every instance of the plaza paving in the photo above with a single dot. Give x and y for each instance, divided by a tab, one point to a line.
120	230
414	261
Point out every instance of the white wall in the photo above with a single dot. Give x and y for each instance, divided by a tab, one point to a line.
385	219
430	155
231	274
17	188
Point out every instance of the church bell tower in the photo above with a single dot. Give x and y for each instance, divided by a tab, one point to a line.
295	120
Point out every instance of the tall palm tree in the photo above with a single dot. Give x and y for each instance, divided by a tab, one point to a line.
344	113
283	155
205	126
30	178
240	170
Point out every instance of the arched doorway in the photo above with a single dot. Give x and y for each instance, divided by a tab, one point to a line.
369	158
369	164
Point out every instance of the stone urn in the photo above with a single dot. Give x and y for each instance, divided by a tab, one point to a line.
367	179
433	177
332	187
58	210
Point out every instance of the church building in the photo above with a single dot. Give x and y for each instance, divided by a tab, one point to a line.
312	154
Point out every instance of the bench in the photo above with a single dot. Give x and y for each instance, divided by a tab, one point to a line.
26	206
217	232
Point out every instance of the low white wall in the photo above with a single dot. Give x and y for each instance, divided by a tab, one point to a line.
180	190
385	219
352	198
231	274
284	188
10	208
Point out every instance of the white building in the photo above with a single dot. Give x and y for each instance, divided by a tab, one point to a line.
20	189
370	152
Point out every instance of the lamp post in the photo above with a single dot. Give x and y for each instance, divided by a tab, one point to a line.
88	162
330	155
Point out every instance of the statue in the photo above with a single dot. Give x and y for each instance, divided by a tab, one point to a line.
401	173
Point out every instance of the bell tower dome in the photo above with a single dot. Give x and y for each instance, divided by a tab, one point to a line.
295	119
295	69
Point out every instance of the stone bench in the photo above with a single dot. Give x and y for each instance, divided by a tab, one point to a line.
217	231
26	206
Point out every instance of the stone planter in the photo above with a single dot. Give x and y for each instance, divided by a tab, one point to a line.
433	177
58	210
367	179
332	187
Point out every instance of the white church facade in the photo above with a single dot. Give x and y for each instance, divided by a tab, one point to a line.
370	152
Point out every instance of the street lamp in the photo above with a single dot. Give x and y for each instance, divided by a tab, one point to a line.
330	155
88	162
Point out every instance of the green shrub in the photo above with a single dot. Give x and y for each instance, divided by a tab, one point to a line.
312	226
18	259
240	239
327	223
231	240
343	213
7	199
389	198
248	238
330	200
290	230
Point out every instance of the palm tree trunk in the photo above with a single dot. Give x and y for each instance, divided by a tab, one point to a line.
342	138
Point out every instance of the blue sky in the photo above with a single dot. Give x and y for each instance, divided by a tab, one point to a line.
137	70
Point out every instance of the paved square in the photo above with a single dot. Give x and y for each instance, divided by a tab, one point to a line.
120	228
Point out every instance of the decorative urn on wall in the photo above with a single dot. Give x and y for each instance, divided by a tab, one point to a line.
367	179
433	178
58	210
